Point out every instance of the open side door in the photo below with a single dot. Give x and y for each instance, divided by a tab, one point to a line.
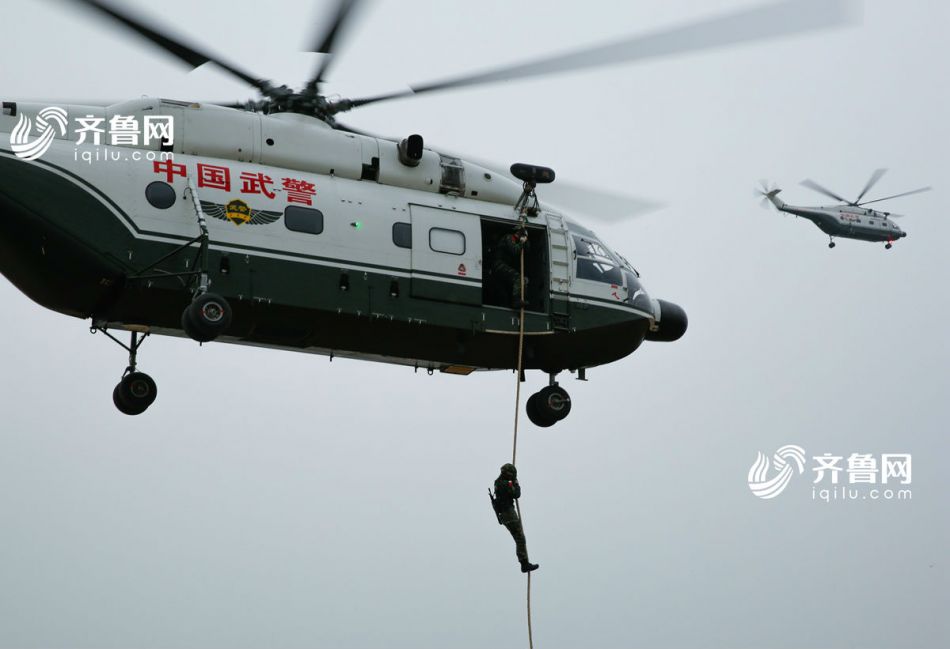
499	288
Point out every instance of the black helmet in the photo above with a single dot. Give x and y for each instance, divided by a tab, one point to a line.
509	470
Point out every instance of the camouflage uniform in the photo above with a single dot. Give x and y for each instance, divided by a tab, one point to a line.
506	267
507	490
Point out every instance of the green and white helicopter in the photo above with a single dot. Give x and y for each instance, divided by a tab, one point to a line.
269	223
851	219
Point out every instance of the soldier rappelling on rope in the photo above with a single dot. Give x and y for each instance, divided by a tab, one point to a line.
506	267
507	490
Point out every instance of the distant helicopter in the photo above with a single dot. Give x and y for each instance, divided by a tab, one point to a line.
851	220
316	237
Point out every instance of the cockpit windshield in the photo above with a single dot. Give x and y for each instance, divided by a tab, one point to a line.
596	262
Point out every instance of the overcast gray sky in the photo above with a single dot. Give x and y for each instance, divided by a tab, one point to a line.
276	499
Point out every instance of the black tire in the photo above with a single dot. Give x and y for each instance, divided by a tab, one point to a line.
536	414
120	403
134	393
832	244
887	247
206	318
555	401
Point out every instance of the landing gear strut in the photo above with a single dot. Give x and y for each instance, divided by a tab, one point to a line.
549	405
209	314
137	390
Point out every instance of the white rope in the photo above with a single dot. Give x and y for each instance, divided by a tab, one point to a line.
514	444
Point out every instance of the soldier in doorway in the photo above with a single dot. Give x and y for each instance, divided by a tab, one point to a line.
506	266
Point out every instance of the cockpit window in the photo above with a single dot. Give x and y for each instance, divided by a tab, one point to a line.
596	262
594	249
626	264
636	295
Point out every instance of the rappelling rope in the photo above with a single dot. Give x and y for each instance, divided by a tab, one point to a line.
514	444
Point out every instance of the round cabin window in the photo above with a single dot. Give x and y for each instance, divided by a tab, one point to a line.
160	195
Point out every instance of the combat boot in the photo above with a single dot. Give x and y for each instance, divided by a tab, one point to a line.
528	567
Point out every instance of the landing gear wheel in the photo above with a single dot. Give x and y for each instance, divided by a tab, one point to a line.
887	246
548	406
207	317
555	400
831	244
134	393
120	404
536	415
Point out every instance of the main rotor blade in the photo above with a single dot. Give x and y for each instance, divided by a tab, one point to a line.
887	198
774	20
579	200
326	42
349	129
876	176
595	204
186	53
811	184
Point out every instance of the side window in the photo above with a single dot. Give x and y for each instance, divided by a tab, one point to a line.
303	219
447	241
402	235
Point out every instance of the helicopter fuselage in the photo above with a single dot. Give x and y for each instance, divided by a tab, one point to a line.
846	221
851	223
321	240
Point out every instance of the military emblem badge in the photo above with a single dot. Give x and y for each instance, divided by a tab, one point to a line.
238	212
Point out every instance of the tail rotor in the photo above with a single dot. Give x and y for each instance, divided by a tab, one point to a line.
766	192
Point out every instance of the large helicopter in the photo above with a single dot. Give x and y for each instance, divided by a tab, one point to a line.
270	223
851	219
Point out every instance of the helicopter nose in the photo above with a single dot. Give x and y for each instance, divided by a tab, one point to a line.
672	322
903	234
